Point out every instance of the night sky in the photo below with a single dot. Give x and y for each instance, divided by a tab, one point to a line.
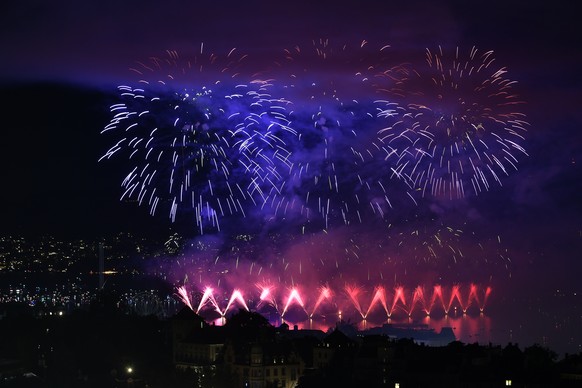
61	65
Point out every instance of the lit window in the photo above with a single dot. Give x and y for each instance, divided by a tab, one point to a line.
507	383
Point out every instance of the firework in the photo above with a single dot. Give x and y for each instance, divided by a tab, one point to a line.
332	176
199	137
452	249
355	301
330	266
453	126
316	138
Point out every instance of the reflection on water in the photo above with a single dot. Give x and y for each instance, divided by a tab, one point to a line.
498	330
467	328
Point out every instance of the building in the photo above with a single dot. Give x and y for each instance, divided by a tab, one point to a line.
264	364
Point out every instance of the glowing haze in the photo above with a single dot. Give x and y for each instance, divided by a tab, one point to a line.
311	180
212	136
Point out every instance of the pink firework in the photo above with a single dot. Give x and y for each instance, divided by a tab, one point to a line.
294	297
185	296
325	293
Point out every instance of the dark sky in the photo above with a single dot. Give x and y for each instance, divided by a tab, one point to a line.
61	63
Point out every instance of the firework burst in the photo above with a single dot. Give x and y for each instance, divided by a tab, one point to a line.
458	128
333	179
200	136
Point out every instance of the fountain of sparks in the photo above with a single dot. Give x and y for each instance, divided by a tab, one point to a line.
302	303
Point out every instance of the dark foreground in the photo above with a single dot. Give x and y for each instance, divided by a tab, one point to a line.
103	347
